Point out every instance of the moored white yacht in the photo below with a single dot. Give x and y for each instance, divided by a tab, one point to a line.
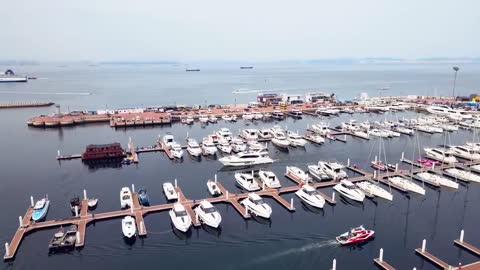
279	139
257	206
169	191
224	133
310	196
224	146
247	181
321	128
203	119
269	178
238	145
176	150
247	116
208	214
374	189
264	134
464	152
295	140
193	148
440	155
212	119
129	228
298	173
180	218
254	145
168	140
247	158
463	175
208	147
437	179
349	190
379	133
317	172
406	184
333	169
125	197
249	134
315	138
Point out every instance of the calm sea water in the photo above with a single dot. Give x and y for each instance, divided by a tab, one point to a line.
303	239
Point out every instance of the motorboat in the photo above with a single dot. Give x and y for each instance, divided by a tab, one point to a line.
254	145
126	197
208	214
249	134
208	147
129	228
246	181
406	184
189	120
321	128
403	130
355	236
463	175
349	190
315	138
213	188
203	119
333	169
428	129
379	165
436	180
255	204
298	173
269	178
75	204
440	155
212	119
193	148
92	202
464	152
374	189
378	133
247	158
64	239
225	134
296	114
168	140
238	145
143	198
257	116
176	150
224	146
279	139
278	115
40	209
317	172
247	116
264	134
227	117
347	110
234	118
310	195
447	127
267	115
170	191
180	219
295	140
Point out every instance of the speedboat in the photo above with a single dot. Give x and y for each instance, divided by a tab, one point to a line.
279	139
126	197
75	203
439	154
189	120
246	181
349	190
247	158
257	206
378	133
374	189
295	140
176	150
355	236
40	209
238	145
224	133
208	147
406	184
247	116
208	214
463	175
295	113
227	117
264	134
310	196
168	140
212	119
170	191
269	178
180	219
64	240
464	153
278	115
213	188
298	173
249	134
257	116
224	146
143	198
314	138
193	148
254	145
333	169
317	172
92	202
203	119
129	228
379	165
436	179
321	128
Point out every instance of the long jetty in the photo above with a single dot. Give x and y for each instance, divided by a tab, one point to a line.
24	104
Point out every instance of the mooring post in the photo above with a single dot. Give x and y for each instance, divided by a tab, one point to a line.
76	210
176	185
133	187
85	194
396	166
215	178
263	185
333	196
291	203
78	237
227	194
424	245
376	159
142	227
32	202
345	138
380	256
58	153
459	266
7	249
348	162
20	221
374	174
334	264
246	210
196	218
462	234
403	156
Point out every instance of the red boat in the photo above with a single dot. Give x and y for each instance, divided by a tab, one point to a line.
382	166
355	236
103	151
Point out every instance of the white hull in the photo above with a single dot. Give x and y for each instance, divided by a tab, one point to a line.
375	190
436	179
353	194
463	175
407	185
129	228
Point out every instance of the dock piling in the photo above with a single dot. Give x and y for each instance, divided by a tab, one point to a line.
376	159
196	218
20	221
85	194
58	153
380	256
227	194
334	264
374	174
78	237
32	202
7	249
433	166
396	166
348	162
403	156
246	210
215	178
263	185
142	227
133	187
333	196
424	245
462	234
76	210
176	183
131	209
291	203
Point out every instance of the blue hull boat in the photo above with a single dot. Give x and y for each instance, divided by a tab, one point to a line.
143	197
40	209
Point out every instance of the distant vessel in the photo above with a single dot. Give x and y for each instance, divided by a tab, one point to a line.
246	67
103	151
192	69
9	76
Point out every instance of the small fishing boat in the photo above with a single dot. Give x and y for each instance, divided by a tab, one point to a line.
75	201
64	240
213	188
129	228
170	191
92	202
355	236
125	197
143	198
40	209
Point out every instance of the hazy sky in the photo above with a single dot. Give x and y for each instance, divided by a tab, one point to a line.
237	30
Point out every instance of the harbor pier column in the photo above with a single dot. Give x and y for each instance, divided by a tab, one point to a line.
7	249
76	210
291	203
333	196
462	234
85	194
334	264
32	202
20	221
380	256
133	187
424	245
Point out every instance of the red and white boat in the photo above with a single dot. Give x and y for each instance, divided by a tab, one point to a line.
378	165
355	236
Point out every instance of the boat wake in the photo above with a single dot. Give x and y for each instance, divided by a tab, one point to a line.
46	93
293	251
